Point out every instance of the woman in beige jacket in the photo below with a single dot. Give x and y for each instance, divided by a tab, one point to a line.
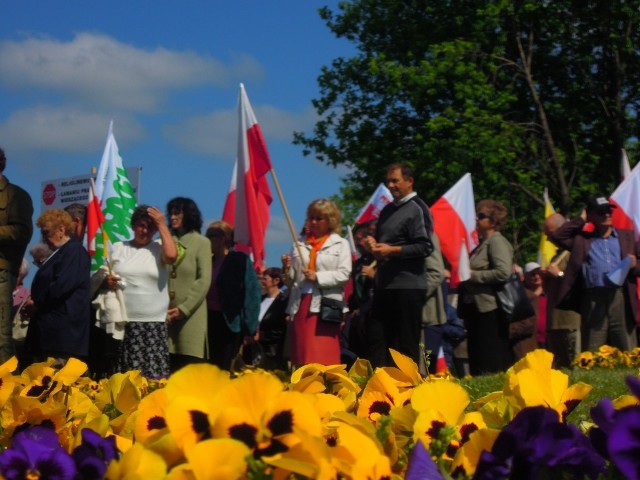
491	265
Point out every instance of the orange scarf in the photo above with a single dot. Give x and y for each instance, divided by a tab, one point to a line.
316	245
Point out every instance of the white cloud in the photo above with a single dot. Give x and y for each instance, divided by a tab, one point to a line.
98	70
216	133
278	232
63	129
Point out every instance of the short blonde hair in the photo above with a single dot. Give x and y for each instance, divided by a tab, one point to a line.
328	210
222	227
55	218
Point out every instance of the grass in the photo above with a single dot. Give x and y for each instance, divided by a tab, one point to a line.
605	382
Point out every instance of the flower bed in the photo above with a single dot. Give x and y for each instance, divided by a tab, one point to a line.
323	422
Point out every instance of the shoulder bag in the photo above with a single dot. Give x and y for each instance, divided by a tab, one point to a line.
330	309
513	300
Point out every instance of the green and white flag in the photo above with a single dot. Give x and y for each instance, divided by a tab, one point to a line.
117	199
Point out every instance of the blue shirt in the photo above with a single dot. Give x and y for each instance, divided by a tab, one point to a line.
603	257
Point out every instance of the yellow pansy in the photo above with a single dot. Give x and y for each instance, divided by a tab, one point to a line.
137	463
218	459
256	411
193	393
359	456
467	457
532	382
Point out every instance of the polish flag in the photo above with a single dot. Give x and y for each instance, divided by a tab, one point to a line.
454	216
95	218
247	206
627	198
441	362
376	203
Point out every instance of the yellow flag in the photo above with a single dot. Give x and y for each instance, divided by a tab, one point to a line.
547	250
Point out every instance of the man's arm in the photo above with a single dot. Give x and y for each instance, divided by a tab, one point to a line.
19	226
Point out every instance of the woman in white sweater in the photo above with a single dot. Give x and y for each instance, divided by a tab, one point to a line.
139	266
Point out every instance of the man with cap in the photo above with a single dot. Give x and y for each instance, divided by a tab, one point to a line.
598	253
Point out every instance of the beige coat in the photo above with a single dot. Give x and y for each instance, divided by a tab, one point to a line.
433	312
491	265
189	291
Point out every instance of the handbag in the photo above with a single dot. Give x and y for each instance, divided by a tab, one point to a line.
513	300
331	310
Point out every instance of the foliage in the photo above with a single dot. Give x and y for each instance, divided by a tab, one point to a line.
522	94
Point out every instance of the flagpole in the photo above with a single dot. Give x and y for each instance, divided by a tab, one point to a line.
294	234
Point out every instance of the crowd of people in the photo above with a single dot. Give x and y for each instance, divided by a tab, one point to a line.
172	296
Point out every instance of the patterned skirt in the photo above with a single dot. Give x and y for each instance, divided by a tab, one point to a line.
146	348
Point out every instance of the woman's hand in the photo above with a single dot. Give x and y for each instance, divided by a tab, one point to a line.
157	216
111	282
310	275
175	315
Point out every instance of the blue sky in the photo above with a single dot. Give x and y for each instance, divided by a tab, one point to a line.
168	74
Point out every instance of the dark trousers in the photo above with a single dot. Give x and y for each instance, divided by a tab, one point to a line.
396	320
224	344
488	343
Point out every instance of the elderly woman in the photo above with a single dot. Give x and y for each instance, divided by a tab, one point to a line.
139	266
189	281
323	270
491	265
59	304
233	301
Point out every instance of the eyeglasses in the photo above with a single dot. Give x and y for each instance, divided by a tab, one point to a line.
482	216
316	219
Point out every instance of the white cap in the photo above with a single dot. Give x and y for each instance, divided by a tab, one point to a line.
530	267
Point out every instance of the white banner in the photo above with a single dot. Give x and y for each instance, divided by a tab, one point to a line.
62	192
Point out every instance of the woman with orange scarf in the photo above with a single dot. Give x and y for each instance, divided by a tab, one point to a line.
323	270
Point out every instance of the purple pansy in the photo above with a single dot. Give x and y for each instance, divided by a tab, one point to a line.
36	452
94	454
535	442
617	435
421	465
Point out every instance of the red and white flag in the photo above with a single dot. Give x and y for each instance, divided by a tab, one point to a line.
95	219
441	362
454	217
627	198
247	206
376	203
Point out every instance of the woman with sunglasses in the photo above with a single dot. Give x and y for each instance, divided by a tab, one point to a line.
491	265
323	270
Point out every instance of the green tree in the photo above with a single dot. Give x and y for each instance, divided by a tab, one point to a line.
522	94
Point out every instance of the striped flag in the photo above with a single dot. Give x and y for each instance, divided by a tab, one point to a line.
246	208
454	216
95	219
374	205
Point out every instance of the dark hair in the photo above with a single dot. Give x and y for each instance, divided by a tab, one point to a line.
3	160
192	217
274	272
77	210
405	169
141	213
